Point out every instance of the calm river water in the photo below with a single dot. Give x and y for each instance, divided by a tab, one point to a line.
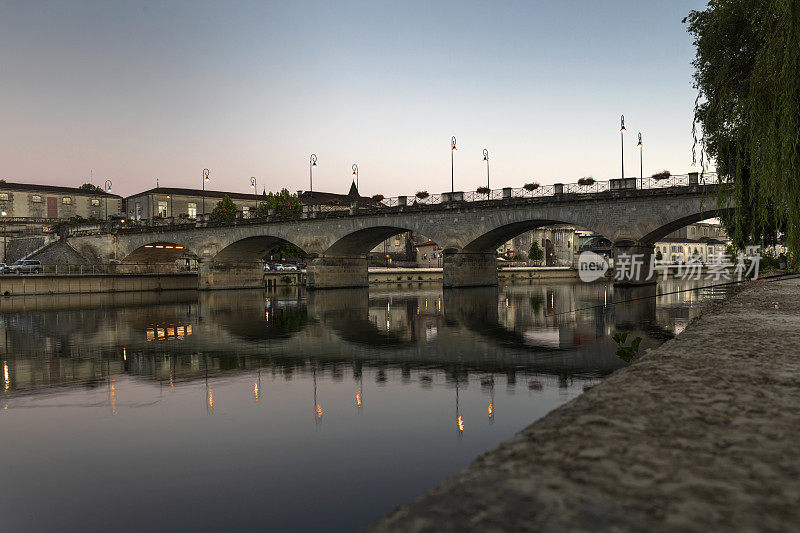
286	410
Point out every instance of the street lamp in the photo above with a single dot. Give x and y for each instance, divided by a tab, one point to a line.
486	158
622	130
312	162
253	185
355	173
452	163
171	210
4	214
108	190
641	162
206	178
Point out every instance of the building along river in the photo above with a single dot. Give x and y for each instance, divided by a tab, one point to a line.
284	409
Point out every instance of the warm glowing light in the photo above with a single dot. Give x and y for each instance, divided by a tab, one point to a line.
6	378
256	390
210	395
150	334
358	399
188	329
460	424
148	245
318	411
171	384
3	213
159	245
160	332
490	410
113	393
169	247
124	355
179	247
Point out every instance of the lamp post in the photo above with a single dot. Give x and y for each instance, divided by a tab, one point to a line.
641	162
622	143
253	185
486	158
108	190
355	173
4	214
452	163
171	210
206	178
312	162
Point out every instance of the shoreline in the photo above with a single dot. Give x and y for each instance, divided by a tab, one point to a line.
698	433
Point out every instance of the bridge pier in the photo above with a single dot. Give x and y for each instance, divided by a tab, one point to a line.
230	274
337	273
632	264
469	269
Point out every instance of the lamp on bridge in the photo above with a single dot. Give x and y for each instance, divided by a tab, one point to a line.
452	163
355	173
312	162
206	177
108	190
486	158
253	184
622	130
641	162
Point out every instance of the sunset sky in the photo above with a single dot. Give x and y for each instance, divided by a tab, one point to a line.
134	91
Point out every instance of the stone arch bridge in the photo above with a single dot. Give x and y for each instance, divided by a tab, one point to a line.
231	254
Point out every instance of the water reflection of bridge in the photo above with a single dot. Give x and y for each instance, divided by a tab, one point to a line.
186	335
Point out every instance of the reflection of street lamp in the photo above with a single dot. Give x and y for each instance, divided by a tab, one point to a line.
622	130
355	173
206	178
641	163
4	214
312	162
459	421
452	163
108	190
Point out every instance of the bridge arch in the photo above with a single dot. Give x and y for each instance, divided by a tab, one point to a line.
254	248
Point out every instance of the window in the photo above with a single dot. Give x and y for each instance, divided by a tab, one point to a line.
138	211
162	208
95	201
66	200
192	210
245	212
36	199
3	196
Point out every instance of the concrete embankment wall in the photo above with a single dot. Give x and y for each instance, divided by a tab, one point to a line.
20	285
699	434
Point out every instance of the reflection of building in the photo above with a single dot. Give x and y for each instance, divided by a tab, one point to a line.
674	250
397	249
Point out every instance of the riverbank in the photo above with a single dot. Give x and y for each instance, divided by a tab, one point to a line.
698	434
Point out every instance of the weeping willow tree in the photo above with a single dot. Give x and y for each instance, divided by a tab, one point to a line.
747	74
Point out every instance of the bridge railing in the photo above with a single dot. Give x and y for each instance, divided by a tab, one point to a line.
585	186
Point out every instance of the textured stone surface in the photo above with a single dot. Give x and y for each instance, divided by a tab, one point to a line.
700	434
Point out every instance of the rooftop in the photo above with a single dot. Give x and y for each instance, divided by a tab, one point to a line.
53	189
199	192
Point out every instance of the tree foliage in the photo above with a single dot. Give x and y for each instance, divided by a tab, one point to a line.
90	187
225	211
748	108
284	203
535	254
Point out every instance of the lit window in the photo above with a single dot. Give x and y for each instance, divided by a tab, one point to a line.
3	196
192	210
35	199
66	200
95	201
245	212
162	208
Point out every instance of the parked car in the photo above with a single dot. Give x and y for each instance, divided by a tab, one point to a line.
279	267
26	266
290	267
3	268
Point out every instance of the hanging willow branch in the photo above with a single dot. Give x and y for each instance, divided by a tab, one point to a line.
747	74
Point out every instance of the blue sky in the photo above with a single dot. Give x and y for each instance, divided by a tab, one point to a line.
135	91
